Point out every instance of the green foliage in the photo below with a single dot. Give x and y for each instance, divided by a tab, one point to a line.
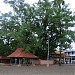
29	26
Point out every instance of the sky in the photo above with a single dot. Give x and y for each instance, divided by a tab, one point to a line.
4	8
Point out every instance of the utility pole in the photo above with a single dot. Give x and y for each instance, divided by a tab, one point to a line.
58	4
48	49
60	32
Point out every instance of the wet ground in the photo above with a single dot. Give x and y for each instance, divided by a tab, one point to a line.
37	70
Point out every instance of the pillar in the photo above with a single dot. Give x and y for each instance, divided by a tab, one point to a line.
71	59
10	61
15	60
19	65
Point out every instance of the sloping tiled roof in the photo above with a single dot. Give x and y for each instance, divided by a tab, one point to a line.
3	57
58	52
21	53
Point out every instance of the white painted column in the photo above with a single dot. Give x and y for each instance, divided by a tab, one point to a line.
19	61
19	65
15	60
71	59
10	61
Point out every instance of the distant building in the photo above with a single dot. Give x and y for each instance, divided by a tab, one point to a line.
4	59
70	56
56	55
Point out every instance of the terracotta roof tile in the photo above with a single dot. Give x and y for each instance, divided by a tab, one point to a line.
21	53
58	52
3	57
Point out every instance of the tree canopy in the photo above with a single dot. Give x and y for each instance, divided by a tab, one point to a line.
29	26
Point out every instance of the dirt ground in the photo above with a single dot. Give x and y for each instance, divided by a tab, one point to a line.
37	70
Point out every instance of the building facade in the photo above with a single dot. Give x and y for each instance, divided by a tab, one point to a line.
70	56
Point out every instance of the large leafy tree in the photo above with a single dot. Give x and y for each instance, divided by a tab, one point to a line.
30	26
53	19
64	20
20	24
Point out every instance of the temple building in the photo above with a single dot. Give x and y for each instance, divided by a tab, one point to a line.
19	56
4	59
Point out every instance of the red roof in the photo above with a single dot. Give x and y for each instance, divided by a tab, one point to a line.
58	52
3	57
21	53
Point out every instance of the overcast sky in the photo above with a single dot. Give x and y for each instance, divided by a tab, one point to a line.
5	8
